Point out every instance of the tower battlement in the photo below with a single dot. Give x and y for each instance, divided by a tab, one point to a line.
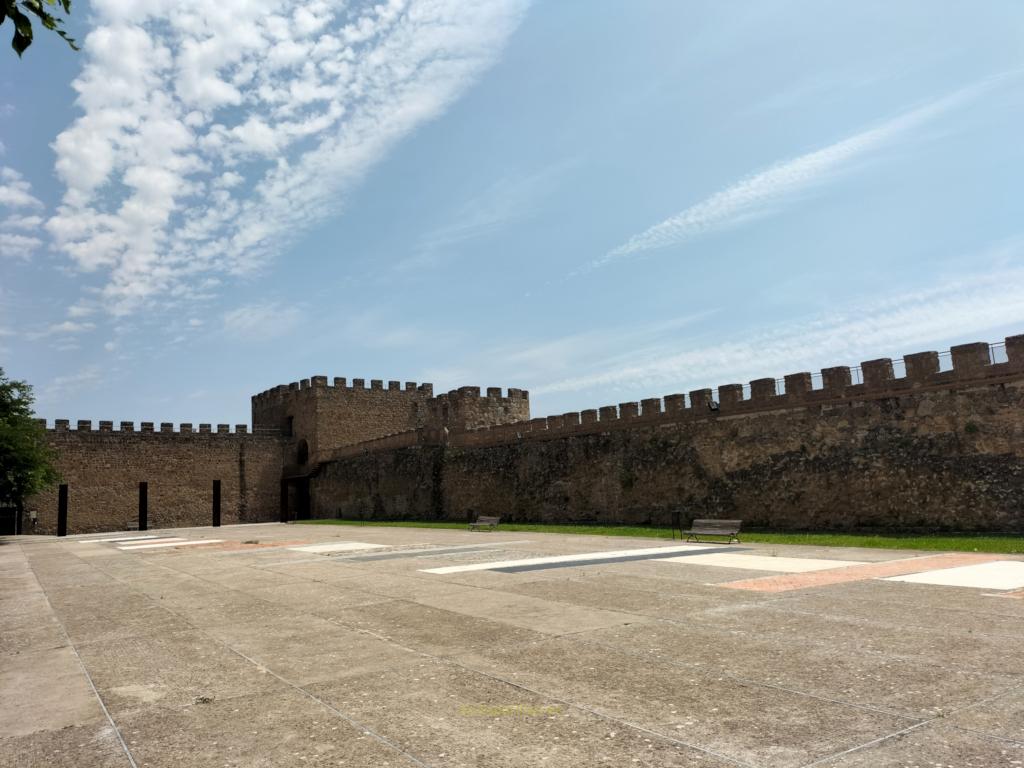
327	414
465	408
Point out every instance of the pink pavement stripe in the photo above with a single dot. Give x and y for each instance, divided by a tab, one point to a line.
788	582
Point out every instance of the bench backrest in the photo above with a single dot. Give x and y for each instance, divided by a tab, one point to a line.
485	520
716	526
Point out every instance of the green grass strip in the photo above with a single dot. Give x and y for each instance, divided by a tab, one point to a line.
937	541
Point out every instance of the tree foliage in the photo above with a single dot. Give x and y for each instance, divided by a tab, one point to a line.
26	461
21	13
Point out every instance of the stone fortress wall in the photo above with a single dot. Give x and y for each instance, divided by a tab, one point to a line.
930	442
940	447
103	468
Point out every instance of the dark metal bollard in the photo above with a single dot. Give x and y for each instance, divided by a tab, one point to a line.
284	501
143	506
62	510
216	503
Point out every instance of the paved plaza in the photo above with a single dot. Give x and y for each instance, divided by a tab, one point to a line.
306	645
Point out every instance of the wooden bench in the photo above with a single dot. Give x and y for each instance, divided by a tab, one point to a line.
698	528
483	521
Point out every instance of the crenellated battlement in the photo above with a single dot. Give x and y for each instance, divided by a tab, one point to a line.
466	408
278	393
85	426
327	414
963	366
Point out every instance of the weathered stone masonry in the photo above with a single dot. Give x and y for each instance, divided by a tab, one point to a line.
932	449
103	469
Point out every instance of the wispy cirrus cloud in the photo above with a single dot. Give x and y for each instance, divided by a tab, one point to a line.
61	387
259	322
212	132
900	323
755	195
511	199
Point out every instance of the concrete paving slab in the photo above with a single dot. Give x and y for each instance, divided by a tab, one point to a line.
911	687
45	690
92	746
260	731
432	630
947	648
455	717
39	634
596	593
652	662
779	729
318	599
169	671
94	616
540	615
903	607
1002	717
932	746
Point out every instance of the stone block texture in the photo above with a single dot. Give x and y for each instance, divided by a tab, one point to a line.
939	447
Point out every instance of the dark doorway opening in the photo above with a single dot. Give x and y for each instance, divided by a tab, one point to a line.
8	521
295	499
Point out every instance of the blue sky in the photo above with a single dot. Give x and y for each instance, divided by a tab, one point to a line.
597	201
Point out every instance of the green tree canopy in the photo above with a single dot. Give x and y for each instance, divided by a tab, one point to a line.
21	13
26	461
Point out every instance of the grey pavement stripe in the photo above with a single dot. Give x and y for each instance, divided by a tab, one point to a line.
468	548
657	554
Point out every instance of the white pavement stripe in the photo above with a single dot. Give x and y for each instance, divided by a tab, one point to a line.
182	543
160	540
762	562
567	558
1001	574
120	538
344	546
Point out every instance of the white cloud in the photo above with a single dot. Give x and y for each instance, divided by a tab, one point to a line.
898	324
258	322
755	195
213	131
81	309
15	192
65	328
16	246
22	222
